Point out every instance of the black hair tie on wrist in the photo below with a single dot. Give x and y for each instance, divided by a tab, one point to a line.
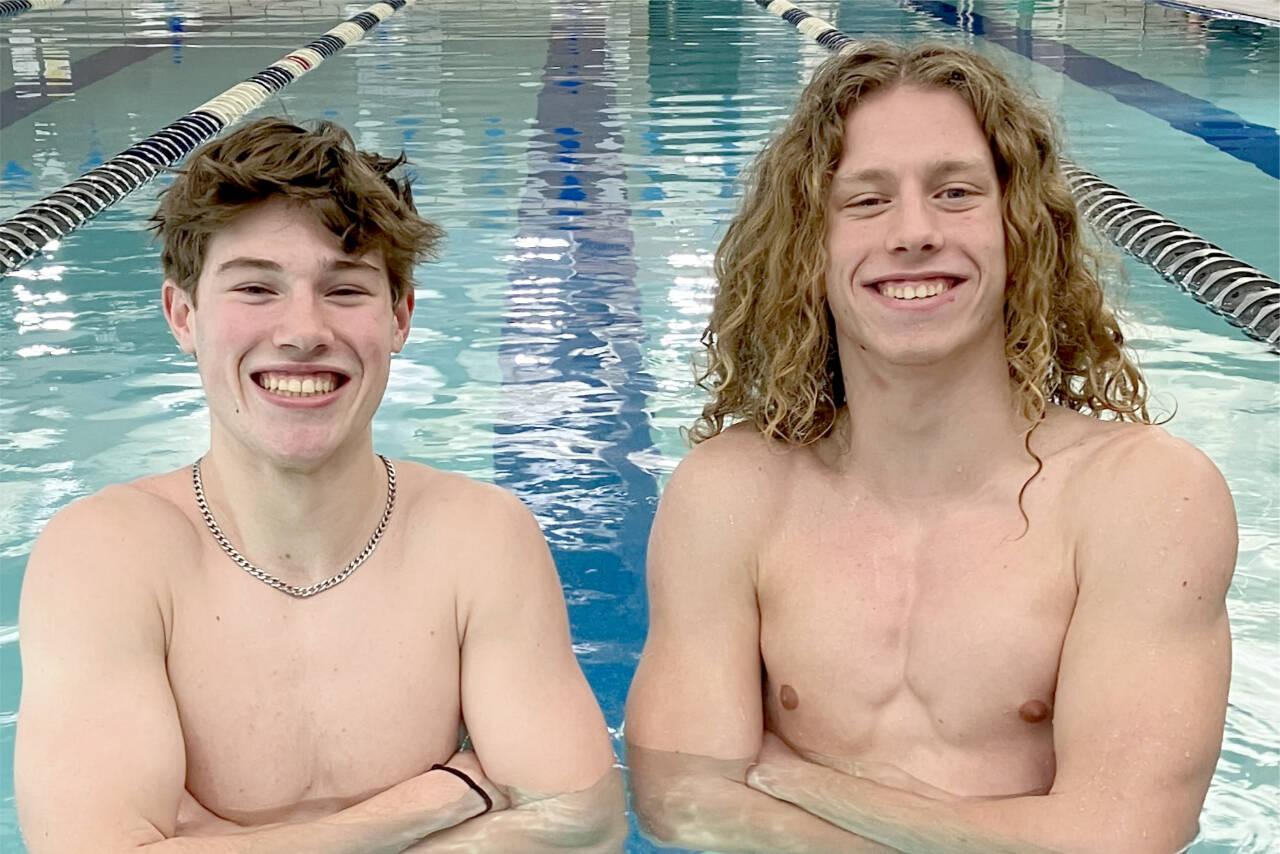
488	801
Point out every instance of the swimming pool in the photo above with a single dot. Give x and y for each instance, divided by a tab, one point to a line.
584	159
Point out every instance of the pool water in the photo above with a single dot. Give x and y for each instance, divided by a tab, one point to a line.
584	158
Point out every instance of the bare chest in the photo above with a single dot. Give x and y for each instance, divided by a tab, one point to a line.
291	708
927	643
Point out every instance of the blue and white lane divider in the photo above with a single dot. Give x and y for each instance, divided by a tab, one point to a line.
10	8
24	235
1244	295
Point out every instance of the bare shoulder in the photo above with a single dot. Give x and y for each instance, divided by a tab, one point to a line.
734	473
441	501
1121	462
105	559
130	527
483	535
1137	490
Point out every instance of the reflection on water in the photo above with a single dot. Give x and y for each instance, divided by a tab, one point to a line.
585	159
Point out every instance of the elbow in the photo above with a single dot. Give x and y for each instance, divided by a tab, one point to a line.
605	835
592	821
673	811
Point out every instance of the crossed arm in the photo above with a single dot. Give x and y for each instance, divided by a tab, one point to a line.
695	719
532	717
1139	708
100	758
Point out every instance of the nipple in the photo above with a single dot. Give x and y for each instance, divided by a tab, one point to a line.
788	697
1033	711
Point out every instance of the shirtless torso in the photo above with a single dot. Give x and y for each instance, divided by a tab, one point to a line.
334	698
215	705
172	701
934	612
919	644
923	645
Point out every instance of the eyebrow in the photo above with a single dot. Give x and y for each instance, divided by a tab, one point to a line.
933	170
272	267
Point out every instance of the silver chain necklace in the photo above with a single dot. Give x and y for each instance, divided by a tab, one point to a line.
269	579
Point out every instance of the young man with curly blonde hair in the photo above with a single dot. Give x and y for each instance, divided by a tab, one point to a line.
943	586
273	650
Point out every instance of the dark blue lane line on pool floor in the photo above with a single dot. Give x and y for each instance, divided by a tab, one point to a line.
1223	129
24	98
574	418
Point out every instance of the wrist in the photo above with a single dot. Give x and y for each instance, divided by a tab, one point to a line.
478	794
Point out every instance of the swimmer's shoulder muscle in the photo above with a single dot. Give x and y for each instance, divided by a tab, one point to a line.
697	687
125	535
1145	665
98	736
727	487
1140	482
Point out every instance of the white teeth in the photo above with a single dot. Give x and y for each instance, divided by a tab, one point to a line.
293	385
933	287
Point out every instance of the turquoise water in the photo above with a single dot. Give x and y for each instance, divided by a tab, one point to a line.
584	159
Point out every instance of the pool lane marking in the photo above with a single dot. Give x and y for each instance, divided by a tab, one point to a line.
1221	14
1256	144
24	235
575	420
19	101
13	8
1228	132
1244	295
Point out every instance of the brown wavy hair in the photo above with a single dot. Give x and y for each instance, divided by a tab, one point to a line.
770	345
352	192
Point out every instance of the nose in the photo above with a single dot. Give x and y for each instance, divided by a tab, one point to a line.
914	227
303	325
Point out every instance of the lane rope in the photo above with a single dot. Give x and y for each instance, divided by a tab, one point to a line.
24	235
13	8
1245	296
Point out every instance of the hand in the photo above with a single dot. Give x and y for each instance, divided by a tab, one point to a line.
466	762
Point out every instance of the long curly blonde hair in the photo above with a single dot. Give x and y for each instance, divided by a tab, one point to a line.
771	354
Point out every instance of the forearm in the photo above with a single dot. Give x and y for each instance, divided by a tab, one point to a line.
387	823
1045	824
592	821
702	803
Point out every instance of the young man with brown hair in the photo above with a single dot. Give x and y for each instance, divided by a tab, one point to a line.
274	649
943	588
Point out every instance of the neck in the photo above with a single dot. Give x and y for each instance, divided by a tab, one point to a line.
919	433
301	525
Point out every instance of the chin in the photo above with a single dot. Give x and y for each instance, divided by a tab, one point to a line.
913	352
304	455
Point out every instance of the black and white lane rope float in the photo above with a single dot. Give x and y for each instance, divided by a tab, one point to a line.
24	235
1244	295
11	8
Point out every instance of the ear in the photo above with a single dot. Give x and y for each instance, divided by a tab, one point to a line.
403	313
180	312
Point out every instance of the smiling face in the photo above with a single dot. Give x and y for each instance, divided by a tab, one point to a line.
915	237
293	337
